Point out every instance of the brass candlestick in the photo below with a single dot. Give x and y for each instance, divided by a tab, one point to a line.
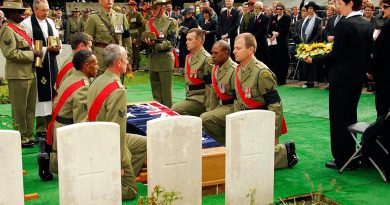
38	47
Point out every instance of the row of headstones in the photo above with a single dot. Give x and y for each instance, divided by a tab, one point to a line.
89	165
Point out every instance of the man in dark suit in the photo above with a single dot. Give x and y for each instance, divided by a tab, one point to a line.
228	24
379	69
329	27
258	26
347	64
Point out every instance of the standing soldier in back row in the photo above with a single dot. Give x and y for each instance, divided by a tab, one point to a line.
108	27
160	35
136	23
74	24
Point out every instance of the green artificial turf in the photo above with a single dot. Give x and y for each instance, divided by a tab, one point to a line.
306	112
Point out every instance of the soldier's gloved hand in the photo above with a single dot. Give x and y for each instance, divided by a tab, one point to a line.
38	54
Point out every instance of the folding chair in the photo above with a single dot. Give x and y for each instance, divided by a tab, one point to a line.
374	136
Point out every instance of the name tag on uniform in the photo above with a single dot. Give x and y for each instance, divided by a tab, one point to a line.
119	29
133	20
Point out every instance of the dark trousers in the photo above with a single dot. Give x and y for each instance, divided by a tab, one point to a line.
279	61
382	98
343	102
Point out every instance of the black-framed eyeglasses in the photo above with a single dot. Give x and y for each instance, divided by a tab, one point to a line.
279	9
386	6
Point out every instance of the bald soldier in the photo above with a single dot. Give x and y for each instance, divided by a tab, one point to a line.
108	27
79	41
255	87
73	93
113	108
160	35
198	68
223	88
16	47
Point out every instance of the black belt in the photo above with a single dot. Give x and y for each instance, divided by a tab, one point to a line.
227	102
196	87
64	120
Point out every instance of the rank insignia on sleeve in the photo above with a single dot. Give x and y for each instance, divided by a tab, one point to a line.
85	107
121	114
8	43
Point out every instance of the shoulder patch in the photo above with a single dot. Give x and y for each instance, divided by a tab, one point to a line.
265	74
8	43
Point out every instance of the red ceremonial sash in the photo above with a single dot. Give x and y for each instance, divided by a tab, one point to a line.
251	103
152	28
62	73
21	32
100	98
194	81
222	96
68	92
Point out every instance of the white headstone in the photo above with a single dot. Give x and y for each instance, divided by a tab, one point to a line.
89	164
175	157
250	138
11	177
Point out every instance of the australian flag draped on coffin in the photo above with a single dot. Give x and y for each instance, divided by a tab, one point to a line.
138	114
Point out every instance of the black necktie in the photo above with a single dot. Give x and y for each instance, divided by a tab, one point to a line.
256	18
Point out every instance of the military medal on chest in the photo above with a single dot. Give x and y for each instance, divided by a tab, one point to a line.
222	87
119	28
161	34
248	92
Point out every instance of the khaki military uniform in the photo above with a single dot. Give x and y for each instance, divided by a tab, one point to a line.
245	22
104	36
258	82
133	147
21	77
214	121
136	23
74	110
199	98
161	59
70	72
73	26
84	20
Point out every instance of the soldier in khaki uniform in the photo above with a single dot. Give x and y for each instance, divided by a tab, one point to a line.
86	14
136	23
75	109
255	87
16	46
108	27
246	17
114	109
223	87
198	66
159	44
79	41
74	24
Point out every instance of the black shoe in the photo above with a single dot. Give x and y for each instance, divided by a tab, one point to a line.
28	145
46	176
333	165
291	155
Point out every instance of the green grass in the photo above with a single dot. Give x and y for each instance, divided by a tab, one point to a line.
306	112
